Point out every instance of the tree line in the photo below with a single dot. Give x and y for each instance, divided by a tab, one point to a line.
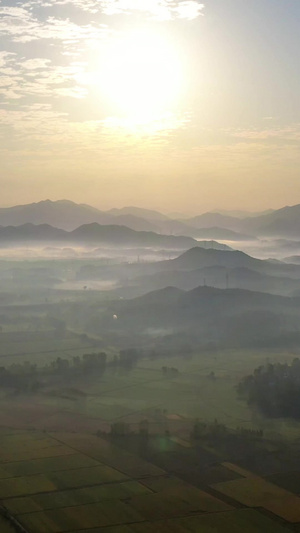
274	389
29	378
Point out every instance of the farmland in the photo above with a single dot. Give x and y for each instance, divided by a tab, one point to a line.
96	486
113	447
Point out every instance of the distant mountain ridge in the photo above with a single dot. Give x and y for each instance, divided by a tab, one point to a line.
91	234
68	215
284	222
149	214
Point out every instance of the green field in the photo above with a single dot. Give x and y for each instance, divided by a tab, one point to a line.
141	392
146	393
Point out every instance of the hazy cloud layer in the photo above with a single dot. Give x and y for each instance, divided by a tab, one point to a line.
236	116
158	9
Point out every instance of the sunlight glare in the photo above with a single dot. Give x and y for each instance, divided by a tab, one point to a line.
141	74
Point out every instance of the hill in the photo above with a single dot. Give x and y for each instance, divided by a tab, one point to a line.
91	234
198	257
222	278
231	317
284	222
62	214
68	215
148	214
123	236
222	234
210	220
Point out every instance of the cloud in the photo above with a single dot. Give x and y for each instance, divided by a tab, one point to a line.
50	59
157	9
38	77
290	133
21	26
165	124
5	58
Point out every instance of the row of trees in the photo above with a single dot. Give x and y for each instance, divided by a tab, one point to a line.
214	430
29	378
274	389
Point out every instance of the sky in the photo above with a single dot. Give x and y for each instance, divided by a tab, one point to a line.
177	105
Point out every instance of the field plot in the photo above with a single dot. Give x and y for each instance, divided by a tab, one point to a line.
120	394
5	526
80	477
98	487
287	480
82	516
71	498
38	347
105	452
137	394
241	521
238	470
180	500
49	464
182	491
256	492
25	485
28	446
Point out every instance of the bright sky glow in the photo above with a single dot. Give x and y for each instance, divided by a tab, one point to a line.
179	105
141	75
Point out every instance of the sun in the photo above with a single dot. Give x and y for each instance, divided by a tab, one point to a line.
141	74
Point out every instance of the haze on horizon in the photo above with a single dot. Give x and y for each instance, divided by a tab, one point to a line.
175	105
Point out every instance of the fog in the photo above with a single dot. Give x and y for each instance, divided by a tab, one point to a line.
158	353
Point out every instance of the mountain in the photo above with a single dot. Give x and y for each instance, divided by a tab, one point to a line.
214	245
240	213
294	259
62	214
283	222
220	277
91	234
230	317
148	214
211	220
123	236
221	234
136	223
32	233
200	258
178	227
68	215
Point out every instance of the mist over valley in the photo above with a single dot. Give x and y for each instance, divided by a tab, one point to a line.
116	339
